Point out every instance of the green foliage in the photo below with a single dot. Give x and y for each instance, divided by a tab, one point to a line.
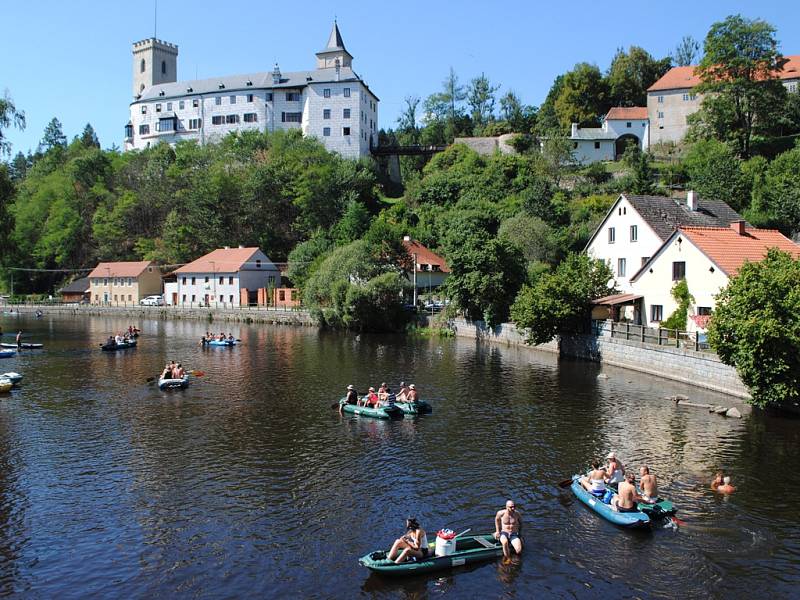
89	137
631	73
583	98
53	136
480	99
485	274
677	320
560	302
686	51
537	240
742	94
715	172
596	173
756	328
9	116
640	175
306	257
776	191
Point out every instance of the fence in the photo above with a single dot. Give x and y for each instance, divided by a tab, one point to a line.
649	335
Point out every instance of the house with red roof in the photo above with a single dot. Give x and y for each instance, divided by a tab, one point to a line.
621	126
672	98
706	257
226	277
121	283
430	269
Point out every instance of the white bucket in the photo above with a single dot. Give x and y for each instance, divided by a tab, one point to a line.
444	547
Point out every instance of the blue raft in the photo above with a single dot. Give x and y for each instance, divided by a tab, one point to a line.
631	520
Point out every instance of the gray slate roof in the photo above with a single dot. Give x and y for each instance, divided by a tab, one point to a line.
665	214
261	80
76	287
335	41
593	133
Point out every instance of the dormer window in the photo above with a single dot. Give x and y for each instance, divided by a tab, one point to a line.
189	90
249	83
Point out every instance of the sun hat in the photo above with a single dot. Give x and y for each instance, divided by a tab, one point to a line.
412	386
350	387
372	389
611	455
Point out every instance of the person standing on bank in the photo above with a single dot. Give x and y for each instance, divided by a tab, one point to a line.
507	527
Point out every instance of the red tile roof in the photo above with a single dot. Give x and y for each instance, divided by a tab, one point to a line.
222	260
627	113
729	250
120	269
683	77
424	256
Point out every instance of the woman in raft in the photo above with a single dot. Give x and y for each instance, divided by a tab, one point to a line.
413	544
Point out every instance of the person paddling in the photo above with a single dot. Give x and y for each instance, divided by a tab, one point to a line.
351	398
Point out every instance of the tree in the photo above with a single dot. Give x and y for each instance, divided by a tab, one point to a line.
485	274
9	116
756	328
715	172
776	199
561	301
743	94
453	94
547	119
584	97
480	98
686	52
640	173
6	220
632	73
53	136
89	137
521	118
407	121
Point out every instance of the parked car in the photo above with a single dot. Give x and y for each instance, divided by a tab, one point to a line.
152	301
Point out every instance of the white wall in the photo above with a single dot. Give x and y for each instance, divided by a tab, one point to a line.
656	283
622	217
585	152
638	127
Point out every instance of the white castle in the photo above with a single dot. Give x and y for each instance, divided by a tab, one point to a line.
331	102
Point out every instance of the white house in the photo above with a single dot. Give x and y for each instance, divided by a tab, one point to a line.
635	227
330	102
621	126
706	257
225	277
430	269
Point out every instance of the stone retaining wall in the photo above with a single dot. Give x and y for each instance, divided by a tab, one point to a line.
236	315
701	369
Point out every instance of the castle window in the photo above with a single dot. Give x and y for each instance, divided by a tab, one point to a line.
158	108
249	97
169	106
195	123
163	67
346	92
166	124
141	67
346	113
128	130
195	102
218	100
144	109
326	131
180	105
628	124
233	99
345	131
250	117
144	129
268	97
217	120
231	119
291	117
326	93
596	144
326	113
293	96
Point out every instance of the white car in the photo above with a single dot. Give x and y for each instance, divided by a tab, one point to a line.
152	301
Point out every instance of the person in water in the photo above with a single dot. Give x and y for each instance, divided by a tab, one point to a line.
724	486
615	469
626	498
412	544
595	481
507	527
19	340
648	483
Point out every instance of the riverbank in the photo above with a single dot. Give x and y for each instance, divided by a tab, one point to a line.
700	369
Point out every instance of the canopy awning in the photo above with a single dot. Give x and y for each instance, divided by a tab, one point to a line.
616	299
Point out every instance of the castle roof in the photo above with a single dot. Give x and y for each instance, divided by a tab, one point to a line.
251	81
678	78
335	41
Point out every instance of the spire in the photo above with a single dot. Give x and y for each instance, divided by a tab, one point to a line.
335	39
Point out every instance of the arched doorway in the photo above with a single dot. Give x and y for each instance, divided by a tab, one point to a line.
622	143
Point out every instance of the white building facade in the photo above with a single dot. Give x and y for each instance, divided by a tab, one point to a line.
621	126
331	102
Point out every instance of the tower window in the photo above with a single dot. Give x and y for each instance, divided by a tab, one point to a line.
345	131
163	67
195	102
141	66
346	113
233	99
326	113
326	93
326	131
346	92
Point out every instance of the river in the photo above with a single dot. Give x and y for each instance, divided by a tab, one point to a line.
249	484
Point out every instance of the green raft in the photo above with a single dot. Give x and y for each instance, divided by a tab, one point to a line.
415	408
383	412
469	550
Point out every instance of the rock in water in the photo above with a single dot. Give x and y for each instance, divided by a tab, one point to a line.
733	412
602	376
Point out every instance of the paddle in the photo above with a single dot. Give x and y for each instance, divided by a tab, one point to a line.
566	483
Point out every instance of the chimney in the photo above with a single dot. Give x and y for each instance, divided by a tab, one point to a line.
738	227
574	129
691	200
406	238
276	75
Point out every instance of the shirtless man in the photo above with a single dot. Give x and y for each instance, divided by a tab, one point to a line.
595	481
351	398
648	484
717	481
507	525
626	497
401	395
412	396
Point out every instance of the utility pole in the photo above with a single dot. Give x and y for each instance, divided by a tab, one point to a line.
415	279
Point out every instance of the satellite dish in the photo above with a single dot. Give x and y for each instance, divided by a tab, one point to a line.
611	284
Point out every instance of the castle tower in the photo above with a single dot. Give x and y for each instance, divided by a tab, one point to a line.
326	59
154	62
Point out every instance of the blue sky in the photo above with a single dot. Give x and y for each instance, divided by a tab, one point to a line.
71	59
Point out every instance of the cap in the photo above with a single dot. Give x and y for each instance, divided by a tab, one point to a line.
412	386
372	389
350	387
611	455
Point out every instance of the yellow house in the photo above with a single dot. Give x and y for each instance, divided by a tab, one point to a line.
121	283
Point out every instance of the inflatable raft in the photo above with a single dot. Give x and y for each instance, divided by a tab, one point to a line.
172	384
14	378
632	520
123	346
382	412
25	345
